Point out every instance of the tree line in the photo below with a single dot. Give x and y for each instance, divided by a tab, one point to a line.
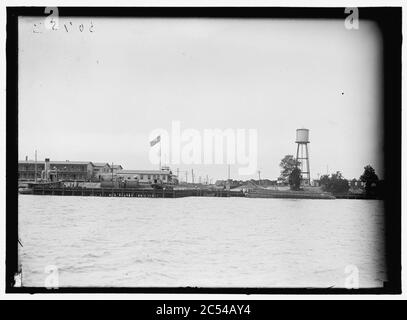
334	183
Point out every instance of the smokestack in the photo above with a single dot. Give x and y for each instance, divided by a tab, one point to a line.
47	168
26	158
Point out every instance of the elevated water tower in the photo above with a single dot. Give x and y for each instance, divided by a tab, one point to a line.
302	140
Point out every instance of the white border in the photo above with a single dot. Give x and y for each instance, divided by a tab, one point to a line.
190	3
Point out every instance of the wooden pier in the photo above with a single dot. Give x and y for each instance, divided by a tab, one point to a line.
132	192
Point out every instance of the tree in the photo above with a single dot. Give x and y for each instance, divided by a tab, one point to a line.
335	183
294	179
339	183
288	164
324	180
370	178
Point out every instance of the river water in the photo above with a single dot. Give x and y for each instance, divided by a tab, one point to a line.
206	242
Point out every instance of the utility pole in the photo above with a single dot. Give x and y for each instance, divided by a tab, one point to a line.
186	176
192	175
178	173
228	171
259	178
35	167
207	179
112	175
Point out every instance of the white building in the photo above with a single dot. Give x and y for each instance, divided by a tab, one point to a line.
143	176
100	168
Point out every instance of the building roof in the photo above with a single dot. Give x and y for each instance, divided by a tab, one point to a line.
71	162
55	162
101	164
117	166
143	172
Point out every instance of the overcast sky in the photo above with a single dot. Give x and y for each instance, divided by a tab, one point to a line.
98	95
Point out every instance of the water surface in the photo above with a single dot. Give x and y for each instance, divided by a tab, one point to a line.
196	241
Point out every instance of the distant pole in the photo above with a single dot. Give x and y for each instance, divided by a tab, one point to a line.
186	176
178	173
228	171
259	178
35	167
192	175
207	179
160	154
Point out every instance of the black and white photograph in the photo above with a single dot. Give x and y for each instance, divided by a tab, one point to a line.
224	150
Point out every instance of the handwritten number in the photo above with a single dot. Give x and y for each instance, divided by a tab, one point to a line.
91	27
54	23
35	29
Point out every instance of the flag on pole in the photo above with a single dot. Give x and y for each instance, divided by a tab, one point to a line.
155	141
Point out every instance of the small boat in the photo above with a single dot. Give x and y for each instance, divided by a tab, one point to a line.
25	190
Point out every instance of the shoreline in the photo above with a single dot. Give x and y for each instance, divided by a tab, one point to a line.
177	193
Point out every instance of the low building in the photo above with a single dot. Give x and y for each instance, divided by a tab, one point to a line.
100	168
29	170
145	176
142	176
356	184
315	183
117	167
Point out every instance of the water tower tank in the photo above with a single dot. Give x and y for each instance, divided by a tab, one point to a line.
302	136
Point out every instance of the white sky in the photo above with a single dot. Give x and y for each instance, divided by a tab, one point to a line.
97	96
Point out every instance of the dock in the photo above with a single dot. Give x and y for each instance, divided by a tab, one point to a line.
265	193
53	190
132	192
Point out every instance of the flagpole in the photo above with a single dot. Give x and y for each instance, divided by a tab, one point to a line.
160	153
35	167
